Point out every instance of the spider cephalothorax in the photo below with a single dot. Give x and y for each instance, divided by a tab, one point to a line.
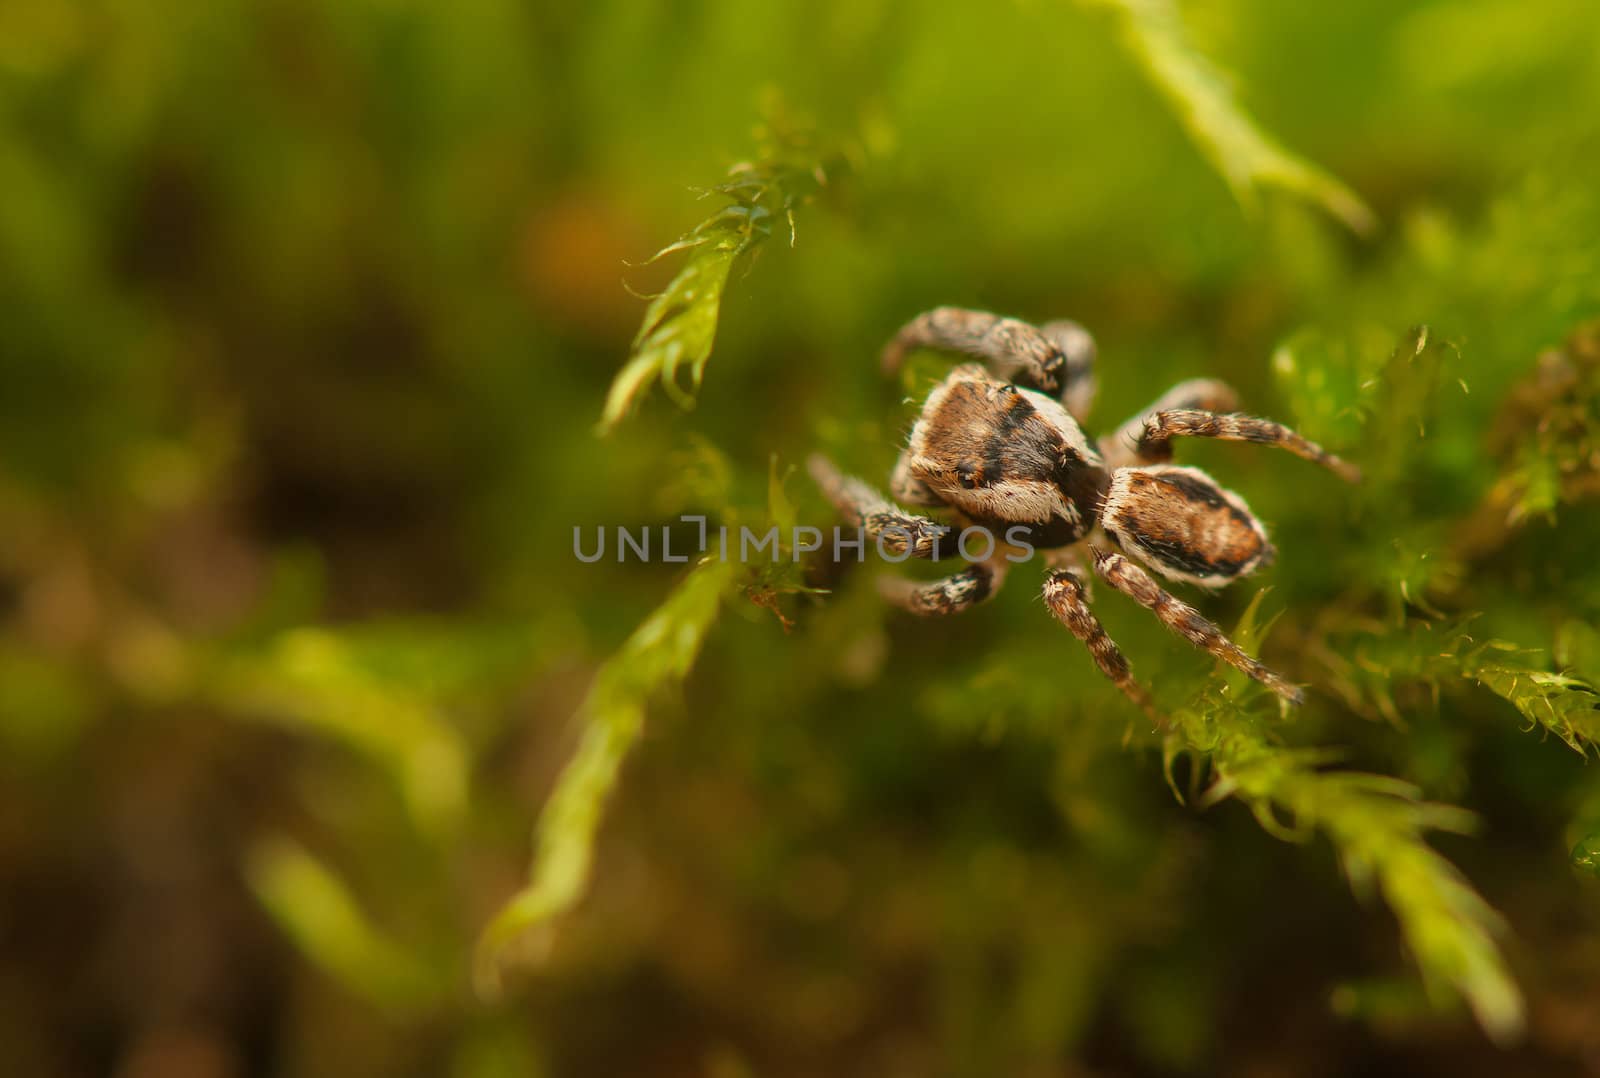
999	446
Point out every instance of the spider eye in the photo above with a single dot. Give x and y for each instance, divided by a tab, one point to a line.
967	474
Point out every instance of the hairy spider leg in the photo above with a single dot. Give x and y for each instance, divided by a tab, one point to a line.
1153	443
1078	385
1066	596
950	595
1204	394
898	531
1014	351
1185	620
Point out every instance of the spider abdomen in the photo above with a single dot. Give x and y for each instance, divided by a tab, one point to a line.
1183	524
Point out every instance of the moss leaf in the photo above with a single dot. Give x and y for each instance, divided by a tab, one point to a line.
1199	92
660	652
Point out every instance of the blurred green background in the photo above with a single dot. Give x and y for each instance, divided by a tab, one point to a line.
307	316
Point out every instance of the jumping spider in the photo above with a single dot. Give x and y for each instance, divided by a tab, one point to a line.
1001	448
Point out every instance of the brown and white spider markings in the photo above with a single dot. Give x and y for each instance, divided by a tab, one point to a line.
999	446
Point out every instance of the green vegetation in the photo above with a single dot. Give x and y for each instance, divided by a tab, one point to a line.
315	329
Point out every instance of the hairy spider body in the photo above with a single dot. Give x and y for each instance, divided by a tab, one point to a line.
1001	454
998	445
1178	521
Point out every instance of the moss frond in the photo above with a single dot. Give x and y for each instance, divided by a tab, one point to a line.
1548	430
1567	706
317	681
1378	826
1440	655
658	654
680	324
1199	92
316	910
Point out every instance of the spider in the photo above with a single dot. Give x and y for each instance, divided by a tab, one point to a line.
998	445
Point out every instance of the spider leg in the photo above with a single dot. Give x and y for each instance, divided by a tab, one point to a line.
1066	594
1077	377
1205	394
1074	558
1013	350
950	595
1154	440
899	532
1185	620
